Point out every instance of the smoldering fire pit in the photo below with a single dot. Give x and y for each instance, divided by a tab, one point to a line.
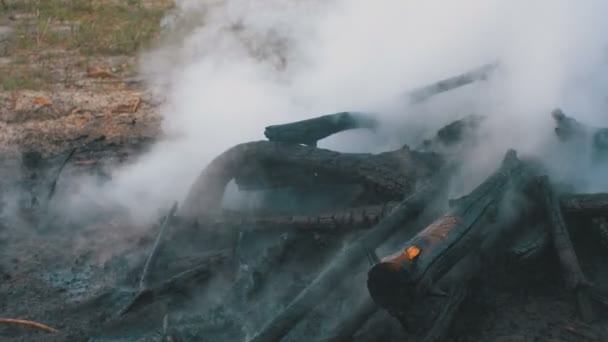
519	258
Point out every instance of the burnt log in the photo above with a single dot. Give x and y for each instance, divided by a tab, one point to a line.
573	274
336	221
569	129
600	226
585	204
478	74
453	135
391	174
450	248
350	256
450	139
310	131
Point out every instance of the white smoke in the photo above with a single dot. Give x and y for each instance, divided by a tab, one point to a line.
229	68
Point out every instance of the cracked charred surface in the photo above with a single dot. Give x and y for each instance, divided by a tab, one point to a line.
388	175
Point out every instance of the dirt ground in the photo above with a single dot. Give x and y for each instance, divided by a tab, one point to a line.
65	86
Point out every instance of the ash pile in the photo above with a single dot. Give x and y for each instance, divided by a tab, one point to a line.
354	246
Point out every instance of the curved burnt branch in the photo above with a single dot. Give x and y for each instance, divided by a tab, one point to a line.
392	173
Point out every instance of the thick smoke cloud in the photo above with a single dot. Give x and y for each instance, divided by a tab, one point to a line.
229	68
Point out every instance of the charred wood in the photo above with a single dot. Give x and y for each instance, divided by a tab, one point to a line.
600	226
354	253
449	251
337	221
585	204
178	283
453	135
265	173
562	244
53	184
528	245
478	74
442	325
348	326
569	129
145	274
391	173
309	131
436	249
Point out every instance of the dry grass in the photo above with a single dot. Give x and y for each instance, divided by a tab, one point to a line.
46	29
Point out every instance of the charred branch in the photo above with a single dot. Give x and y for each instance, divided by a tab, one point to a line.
178	283
478	74
342	220
569	129
573	274
309	131
348	326
145	274
585	204
453	135
391	173
449	251
446	317
435	250
356	252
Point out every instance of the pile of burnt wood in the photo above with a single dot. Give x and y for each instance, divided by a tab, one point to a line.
514	216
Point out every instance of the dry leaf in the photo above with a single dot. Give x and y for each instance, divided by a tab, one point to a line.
128	108
41	101
97	72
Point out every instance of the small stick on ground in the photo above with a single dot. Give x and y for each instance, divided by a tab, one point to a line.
53	185
574	277
146	293
29	324
145	274
176	283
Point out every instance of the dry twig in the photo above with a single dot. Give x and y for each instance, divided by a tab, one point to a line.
29	324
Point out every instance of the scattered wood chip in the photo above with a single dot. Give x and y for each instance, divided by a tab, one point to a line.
128	108
135	105
42	101
97	72
85	162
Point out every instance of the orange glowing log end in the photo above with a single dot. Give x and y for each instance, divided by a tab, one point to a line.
412	252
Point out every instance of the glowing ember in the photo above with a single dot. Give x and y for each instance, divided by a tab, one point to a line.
412	252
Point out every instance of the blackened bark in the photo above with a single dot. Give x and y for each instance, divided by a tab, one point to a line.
393	174
309	131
